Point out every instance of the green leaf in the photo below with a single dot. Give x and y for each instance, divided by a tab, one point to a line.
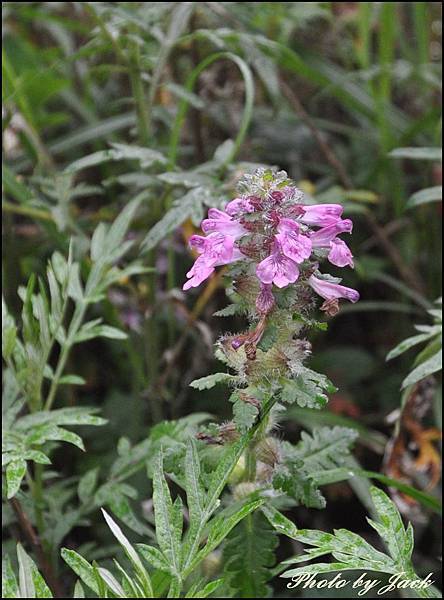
220	526
49	431
32	584
408	343
434	154
194	489
81	568
304	392
428	367
292	479
78	590
206	591
206	383
154	557
15	472
249	556
112	583
391	528
87	485
71	380
26	583
244	414
10	587
183	208
167	535
432	194
145	156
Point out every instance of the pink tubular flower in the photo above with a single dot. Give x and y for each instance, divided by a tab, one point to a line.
277	268
200	271
332	291
321	215
340	254
216	249
223	223
322	237
294	245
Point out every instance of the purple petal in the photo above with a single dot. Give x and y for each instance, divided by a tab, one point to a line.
340	254
321	214
323	237
329	290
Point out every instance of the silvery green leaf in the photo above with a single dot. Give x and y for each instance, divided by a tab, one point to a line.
209	381
15	472
112	583
432	194
87	485
409	343
10	587
424	153
32	584
81	568
428	367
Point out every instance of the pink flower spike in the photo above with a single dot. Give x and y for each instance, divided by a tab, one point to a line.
321	215
221	222
200	271
278	269
331	291
294	245
340	254
322	237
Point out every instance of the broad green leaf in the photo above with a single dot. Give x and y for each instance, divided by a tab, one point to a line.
145	156
206	591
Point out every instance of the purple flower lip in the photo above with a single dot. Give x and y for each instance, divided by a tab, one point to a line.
330	291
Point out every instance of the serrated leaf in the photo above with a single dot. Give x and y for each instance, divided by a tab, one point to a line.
194	489
206	383
164	515
304	392
244	414
249	556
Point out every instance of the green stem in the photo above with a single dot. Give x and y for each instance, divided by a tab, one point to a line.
27	211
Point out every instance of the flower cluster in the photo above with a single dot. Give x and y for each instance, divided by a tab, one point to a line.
281	238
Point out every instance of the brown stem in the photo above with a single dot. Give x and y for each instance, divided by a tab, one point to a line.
408	275
33	538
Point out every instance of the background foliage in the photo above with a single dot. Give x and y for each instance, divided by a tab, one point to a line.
152	111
